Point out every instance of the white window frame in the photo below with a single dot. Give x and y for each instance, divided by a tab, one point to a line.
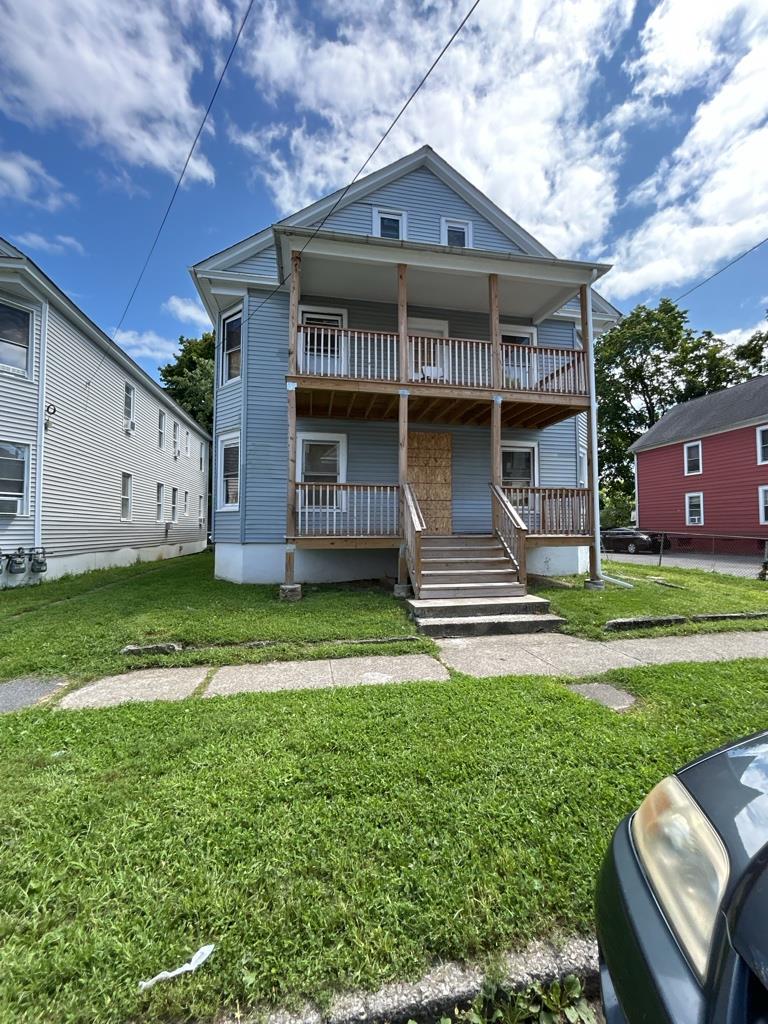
762	498
519	330
176	436
686	470
221	443
532	447
160	503
202	457
230	314
186	503
311	435
700	496
186	443
758	431
401	215
174	504
161	423
200	508
129	477
456	222
22	500
15	371
582	461
129	399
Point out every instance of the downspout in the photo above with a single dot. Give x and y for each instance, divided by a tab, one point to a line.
601	577
40	446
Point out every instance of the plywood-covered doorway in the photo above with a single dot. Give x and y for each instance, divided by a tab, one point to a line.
429	473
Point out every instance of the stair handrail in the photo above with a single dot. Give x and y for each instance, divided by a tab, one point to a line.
414	526
509	527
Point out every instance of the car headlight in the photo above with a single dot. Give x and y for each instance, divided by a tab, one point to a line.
685	862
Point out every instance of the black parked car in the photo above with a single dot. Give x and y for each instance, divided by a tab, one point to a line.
627	538
682	901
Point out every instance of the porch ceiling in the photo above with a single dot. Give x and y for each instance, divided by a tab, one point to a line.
363	267
331	399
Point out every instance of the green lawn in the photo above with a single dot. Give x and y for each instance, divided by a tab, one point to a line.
321	839
587	611
77	626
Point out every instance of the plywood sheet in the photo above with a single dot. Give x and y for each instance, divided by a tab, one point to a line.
429	473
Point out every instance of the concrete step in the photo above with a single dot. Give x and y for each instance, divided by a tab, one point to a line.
456	591
465	563
487	625
480	576
466	607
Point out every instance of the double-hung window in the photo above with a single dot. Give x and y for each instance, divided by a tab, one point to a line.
202	457
694	509
126	497
176	448
229	472
200	507
161	429
521	364
186	443
762	497
322	348
762	445
321	463
186	503
15	339
160	505
129	407
456	232
231	346
389	224
692	458
174	504
14	463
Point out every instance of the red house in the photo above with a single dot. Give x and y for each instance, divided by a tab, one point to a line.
702	470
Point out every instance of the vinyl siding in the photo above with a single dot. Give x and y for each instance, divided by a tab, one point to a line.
18	425
263	263
87	450
425	199
729	483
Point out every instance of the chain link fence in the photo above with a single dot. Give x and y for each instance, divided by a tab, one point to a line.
736	556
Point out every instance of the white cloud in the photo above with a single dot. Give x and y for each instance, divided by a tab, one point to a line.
56	244
507	105
147	345
118	74
24	179
738	335
188	311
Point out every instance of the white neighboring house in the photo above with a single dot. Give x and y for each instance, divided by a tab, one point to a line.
98	466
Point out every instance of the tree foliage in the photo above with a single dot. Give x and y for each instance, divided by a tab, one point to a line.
649	362
189	378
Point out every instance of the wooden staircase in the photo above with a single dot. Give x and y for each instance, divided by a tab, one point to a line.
469	585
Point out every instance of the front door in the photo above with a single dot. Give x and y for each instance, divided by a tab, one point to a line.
429	473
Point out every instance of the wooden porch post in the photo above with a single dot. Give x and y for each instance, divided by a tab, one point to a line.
496	440
402	321
585	302
497	370
290	590
402	475
293	310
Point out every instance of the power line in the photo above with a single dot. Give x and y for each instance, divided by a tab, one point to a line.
214	94
371	155
720	271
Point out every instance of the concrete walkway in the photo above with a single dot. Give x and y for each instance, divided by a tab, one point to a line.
541	654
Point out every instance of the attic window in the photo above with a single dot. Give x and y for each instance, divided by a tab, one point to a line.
456	232
389	224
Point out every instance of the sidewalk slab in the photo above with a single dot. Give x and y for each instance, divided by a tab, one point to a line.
26	691
311	675
587	659
141	685
603	693
483	659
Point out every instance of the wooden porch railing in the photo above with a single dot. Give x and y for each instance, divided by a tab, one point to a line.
414	527
347	510
553	511
510	529
455	362
339	352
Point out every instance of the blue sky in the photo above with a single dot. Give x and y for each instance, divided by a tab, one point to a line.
632	132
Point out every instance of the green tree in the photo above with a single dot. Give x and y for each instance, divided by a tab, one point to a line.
189	378
650	361
753	353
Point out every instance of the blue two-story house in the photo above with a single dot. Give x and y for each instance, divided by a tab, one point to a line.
403	389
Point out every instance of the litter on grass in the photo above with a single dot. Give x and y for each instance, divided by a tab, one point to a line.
199	958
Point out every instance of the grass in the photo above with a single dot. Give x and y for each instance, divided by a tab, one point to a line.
76	626
323	840
587	611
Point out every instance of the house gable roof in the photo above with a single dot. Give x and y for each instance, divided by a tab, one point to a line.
733	407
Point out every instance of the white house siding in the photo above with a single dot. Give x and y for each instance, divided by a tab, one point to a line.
18	425
87	450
